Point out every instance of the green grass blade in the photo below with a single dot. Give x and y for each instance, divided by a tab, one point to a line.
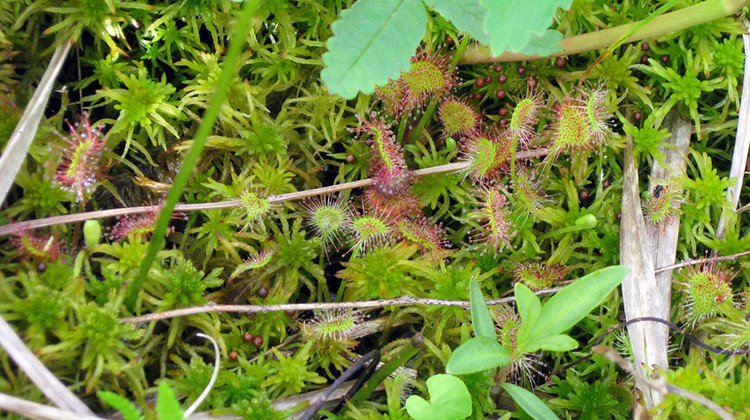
209	117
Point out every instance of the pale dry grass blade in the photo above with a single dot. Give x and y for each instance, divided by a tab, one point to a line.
741	145
641	295
18	145
50	386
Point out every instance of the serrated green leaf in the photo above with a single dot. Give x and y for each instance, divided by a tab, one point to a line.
571	304
128	410
372	42
480	314
466	16
477	355
529	402
511	24
545	44
449	400
167	406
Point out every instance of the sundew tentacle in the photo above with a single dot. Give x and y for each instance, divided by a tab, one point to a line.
496	228
328	217
457	117
428	236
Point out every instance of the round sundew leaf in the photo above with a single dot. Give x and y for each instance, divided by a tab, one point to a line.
372	42
449	400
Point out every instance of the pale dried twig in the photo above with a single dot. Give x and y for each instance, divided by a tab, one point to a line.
32	410
369	304
702	261
659	383
281	198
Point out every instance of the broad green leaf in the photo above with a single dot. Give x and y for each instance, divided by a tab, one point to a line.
483	324
560	342
372	42
467	16
477	355
529	402
572	303
449	400
167	406
511	24
128	410
529	307
545	44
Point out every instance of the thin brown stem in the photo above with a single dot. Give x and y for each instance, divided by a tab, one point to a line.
369	304
701	261
298	195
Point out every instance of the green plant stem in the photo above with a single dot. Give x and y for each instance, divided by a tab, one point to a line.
670	22
239	35
281	198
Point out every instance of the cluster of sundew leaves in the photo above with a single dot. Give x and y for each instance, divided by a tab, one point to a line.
278	124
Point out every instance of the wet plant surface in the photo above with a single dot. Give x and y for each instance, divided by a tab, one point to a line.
530	193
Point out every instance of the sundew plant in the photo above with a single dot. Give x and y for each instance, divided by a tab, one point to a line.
444	209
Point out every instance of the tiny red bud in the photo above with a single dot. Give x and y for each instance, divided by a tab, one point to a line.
488	80
350	158
618	216
500	94
738	14
637	116
664	58
644	59
503	112
257	341
262	292
480	82
583	195
449	40
530	82
502	78
41	267
498	68
248	337
521	70
606	183
561	62
234	355
645	47
478	96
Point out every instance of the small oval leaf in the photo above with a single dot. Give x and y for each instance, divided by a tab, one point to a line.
477	355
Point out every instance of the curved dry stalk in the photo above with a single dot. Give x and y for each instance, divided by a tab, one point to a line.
12	228
50	386
32	410
659	383
368	304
